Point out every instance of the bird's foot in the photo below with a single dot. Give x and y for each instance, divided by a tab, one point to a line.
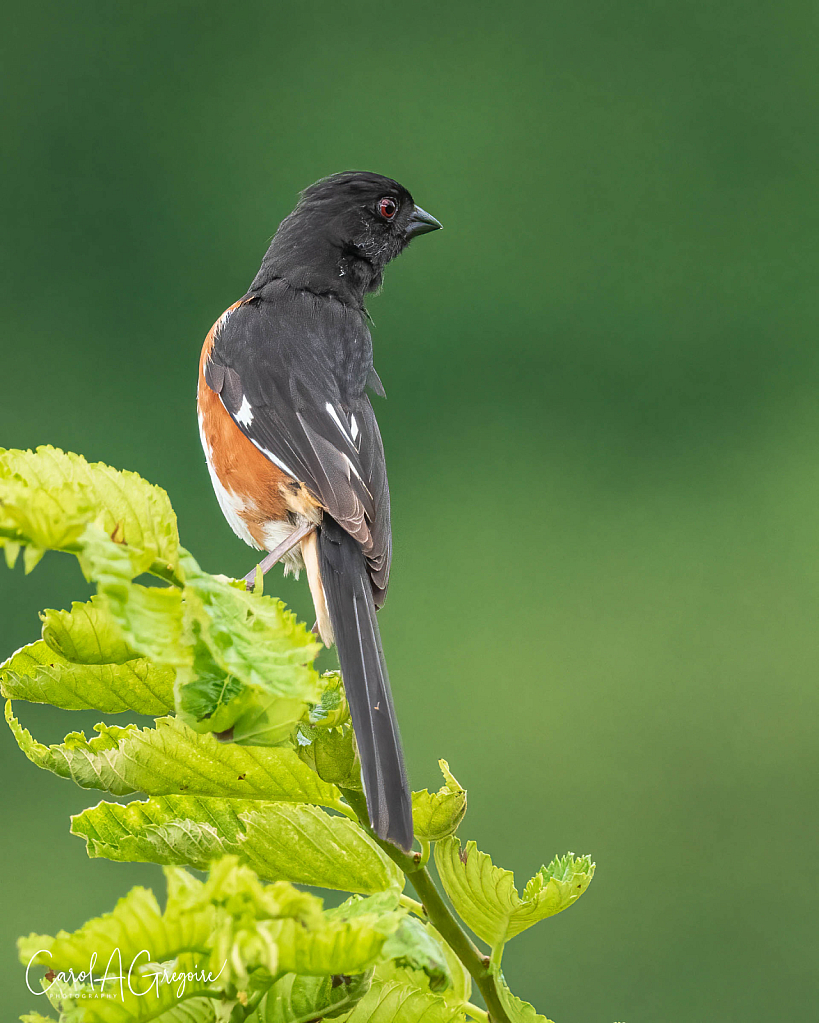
278	553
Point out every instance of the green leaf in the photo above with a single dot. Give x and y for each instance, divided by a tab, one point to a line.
252	638
437	815
251	667
125	943
281	841
304	844
32	556
154	998
460	987
218	930
173	759
280	930
331	753
87	634
347	940
35	1017
518	1010
149	617
391	1002
39	674
416	947
151	620
211	702
48	495
332	710
460	990
215	702
295	999
485	896
41	519
231	926
265	720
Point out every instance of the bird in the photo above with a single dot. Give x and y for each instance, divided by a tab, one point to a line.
293	447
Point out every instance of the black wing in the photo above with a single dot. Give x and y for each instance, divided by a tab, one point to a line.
292	372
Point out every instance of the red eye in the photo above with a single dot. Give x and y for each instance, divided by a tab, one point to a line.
387	208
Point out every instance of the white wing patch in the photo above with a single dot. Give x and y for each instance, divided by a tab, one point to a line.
274	460
245	413
350	433
345	433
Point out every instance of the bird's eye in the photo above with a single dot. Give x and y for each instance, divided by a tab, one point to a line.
387	207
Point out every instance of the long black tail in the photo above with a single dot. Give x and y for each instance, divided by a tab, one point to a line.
352	614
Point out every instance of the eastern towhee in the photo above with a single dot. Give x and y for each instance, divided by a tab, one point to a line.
293	446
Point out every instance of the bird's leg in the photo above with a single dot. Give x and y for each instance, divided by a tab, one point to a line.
279	552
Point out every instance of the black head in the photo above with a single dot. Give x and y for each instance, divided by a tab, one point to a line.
343	232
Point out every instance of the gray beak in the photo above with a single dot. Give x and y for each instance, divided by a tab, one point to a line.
421	222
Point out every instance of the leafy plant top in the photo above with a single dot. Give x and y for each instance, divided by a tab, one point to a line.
249	773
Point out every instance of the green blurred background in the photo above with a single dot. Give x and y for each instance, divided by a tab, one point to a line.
602	427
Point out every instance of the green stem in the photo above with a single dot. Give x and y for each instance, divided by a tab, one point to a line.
254	1001
439	914
412	905
342	807
476	1013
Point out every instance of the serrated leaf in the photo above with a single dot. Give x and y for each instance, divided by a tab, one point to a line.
517	1010
252	638
281	841
279	929
251	673
38	674
417	948
437	815
130	943
87	634
151	620
42	519
219	929
149	617
485	896
295	999
35	1017
232	927
151	999
171	759
303	842
391	1002
209	702
48	494
335	943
